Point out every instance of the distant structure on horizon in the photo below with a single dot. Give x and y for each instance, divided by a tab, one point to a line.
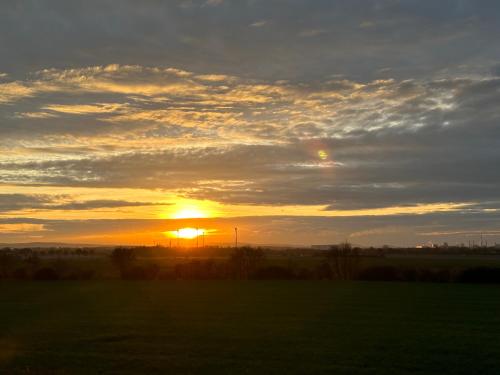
323	247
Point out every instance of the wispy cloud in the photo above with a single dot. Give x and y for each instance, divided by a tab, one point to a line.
261	23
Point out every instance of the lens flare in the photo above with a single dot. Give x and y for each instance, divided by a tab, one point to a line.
186	233
189	213
322	154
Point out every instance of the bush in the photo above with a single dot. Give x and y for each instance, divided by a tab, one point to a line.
390	273
149	272
79	275
200	270
483	275
46	273
244	261
304	274
274	273
20	274
324	271
381	273
435	275
343	261
123	257
7	261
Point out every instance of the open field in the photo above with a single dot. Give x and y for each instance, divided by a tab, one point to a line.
117	327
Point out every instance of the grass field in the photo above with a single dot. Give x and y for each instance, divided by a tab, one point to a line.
117	327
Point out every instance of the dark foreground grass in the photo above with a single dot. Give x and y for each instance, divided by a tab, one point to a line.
118	327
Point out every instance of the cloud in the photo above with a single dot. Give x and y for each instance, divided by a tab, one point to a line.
214	3
7	229
83	109
20	202
385	142
261	23
312	32
13	91
457	33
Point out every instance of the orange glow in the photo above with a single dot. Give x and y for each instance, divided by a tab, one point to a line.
189	213
322	154
186	233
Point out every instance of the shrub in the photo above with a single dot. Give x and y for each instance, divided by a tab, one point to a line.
324	271
380	273
123	257
7	260
20	274
343	261
79	275
485	275
46	273
274	273
200	270
244	261
304	274
149	272
435	275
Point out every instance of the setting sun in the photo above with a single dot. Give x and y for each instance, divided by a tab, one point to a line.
186	233
189	213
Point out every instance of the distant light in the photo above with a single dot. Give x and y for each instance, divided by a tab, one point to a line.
186	233
189	213
322	154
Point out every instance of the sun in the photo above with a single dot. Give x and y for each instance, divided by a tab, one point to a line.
186	233
189	213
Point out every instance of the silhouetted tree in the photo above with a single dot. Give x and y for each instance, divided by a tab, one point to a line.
343	261
244	261
46	273
145	272
274	273
32	259
7	261
123	257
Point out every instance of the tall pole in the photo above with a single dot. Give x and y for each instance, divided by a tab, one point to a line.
236	237
197	232
177	238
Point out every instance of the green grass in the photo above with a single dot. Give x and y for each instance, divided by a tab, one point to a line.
117	327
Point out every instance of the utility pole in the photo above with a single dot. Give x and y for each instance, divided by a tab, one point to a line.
177	238
197	232
236	237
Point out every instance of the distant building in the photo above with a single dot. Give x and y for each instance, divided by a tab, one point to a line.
323	247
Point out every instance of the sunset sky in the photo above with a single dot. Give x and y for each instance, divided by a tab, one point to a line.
299	122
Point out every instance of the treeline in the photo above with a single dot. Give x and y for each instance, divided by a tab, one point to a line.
29	266
53	252
342	262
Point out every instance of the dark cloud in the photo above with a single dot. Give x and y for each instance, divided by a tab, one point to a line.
17	202
394	143
14	202
355	38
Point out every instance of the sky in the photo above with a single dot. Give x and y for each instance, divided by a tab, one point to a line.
299	122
